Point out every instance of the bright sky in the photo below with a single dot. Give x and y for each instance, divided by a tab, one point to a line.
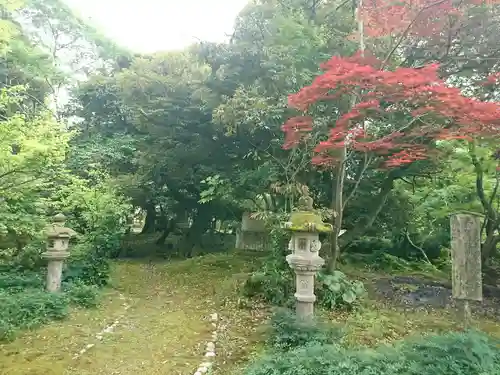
152	25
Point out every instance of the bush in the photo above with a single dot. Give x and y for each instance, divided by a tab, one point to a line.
381	261
97	213
28	310
24	307
87	266
369	245
18	281
271	285
451	354
443	262
289	332
80	294
337	291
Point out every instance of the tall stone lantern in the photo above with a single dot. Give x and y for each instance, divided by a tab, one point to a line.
58	237
305	226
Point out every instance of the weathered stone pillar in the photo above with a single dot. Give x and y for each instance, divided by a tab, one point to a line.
58	237
305	226
467	280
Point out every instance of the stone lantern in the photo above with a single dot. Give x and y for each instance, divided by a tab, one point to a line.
58	237
305	226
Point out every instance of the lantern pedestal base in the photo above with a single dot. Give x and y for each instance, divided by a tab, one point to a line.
305	271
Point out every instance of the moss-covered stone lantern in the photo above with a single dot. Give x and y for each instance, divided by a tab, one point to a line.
305	226
58	237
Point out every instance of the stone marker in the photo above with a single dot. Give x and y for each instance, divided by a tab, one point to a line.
467	283
252	235
58	237
305	226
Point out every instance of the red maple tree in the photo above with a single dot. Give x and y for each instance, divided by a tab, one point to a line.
416	106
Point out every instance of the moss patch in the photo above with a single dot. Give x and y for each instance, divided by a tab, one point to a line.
302	221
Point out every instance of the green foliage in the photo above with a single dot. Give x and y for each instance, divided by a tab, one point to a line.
453	353
98	214
381	261
80	294
29	309
369	245
289	332
26	305
17	280
337	291
35	182
273	283
443	262
32	150
88	267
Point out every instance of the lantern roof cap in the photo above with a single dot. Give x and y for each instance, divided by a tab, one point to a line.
58	230
306	219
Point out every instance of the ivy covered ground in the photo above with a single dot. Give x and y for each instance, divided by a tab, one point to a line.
165	328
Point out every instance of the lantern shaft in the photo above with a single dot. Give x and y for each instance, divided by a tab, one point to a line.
54	275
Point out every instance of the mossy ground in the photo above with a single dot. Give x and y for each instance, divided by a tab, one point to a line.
164	330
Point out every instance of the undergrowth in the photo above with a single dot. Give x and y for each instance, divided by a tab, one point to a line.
26	305
289	332
449	354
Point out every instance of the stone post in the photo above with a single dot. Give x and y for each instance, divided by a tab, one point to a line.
58	237
467	283
305	226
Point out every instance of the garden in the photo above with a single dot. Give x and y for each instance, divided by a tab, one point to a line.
318	195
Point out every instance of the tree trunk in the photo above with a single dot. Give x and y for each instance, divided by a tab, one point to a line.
337	206
489	247
385	191
150	222
201	223
169	228
338	199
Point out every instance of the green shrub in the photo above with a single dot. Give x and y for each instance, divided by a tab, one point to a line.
25	305
381	261
271	285
80	294
16	281
289	332
96	212
8	330
443	262
30	256
337	291
28	310
87	266
451	354
369	245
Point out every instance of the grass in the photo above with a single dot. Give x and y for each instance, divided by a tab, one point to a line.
165	330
